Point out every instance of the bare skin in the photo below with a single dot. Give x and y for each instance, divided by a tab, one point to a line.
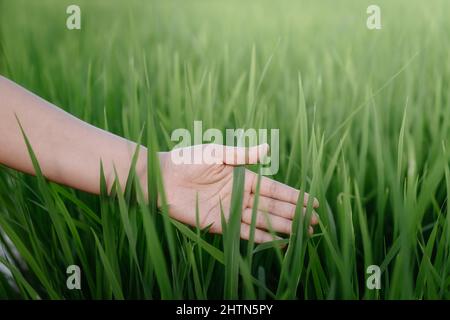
69	152
213	183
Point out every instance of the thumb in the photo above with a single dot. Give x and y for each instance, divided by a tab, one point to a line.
243	155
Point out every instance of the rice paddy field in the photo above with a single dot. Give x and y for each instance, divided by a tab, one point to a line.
364	125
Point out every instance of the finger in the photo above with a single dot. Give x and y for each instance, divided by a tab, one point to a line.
268	221
277	190
280	208
310	230
259	235
242	155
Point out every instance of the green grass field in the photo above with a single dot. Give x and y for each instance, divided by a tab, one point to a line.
364	119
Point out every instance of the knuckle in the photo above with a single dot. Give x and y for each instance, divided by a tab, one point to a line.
247	215
271	206
260	220
273	189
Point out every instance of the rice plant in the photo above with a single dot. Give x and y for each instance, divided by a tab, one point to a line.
364	126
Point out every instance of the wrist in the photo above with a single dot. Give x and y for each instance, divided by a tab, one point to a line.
143	174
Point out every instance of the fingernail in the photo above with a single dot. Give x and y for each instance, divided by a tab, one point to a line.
315	203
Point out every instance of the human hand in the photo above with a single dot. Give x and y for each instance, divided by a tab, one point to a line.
213	183
69	151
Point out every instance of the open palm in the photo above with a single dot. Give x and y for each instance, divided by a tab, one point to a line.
208	186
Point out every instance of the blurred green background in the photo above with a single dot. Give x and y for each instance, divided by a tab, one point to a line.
364	125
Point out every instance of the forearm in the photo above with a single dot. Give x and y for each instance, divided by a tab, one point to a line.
68	150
